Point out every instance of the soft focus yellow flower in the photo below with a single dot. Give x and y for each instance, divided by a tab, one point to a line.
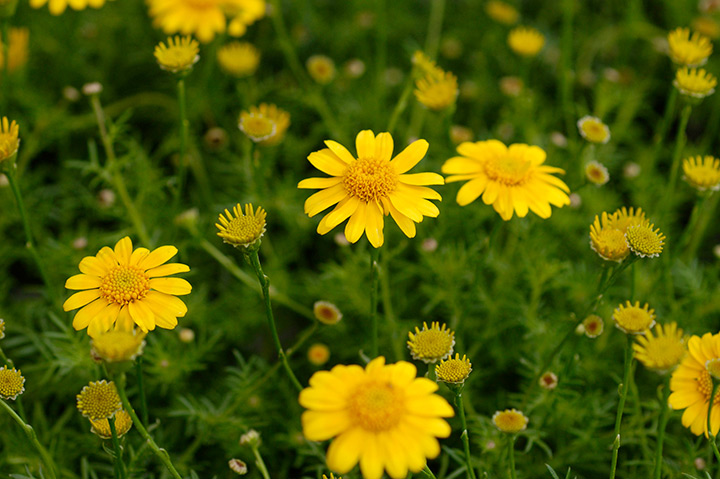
687	50
2	328
239	59
123	287
179	55
454	370
12	383
593	129
644	241
632	319
205	18
513	179
118	345
17	49
593	326
423	63
607	240
318	354
502	12
691	385
596	173
694	83
9	141
382	416
240	229
623	218
57	7
326	312
370	187
321	69
437	91
101	427
432	344
99	400
510	421
526	41
257	119
662	351
706	26
702	173
548	380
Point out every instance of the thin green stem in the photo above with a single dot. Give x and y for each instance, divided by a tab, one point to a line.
381	34
184	126
621	404
265	285
465	436
696	230
677	154
5	359
428	473
665	122
119	466
141	390
162	454
566	82
511	455
260	463
662	424
401	105
51	469
374	275
5	39
432	41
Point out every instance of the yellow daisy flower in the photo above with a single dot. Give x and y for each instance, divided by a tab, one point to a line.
510	421
118	345
662	351
382	416
101	427
691	385
57	7
644	241
623	218
694	83
326	312
686	50
239	59
437	91
706	26
632	319
17	49
432	344
596	173
526	41
123	287
321	69
513	179
12	383
257	119
179	55
593	326
607	240
593	129
240	229
502	12
702	173
207	18
454	370
318	354
370	187
9	141
99	400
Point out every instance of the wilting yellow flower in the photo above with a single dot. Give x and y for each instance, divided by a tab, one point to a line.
502	12
593	326
9	141
437	92
179	55
326	312
694	83
205	18
702	173
321	69
513	179
57	7
240	229
17	49
510	421
632	319
596	173
662	351
691	385
99	400
686	50
318	354
370	187
526	41
118	345
101	427
382	416
123	287
593	129
257	120
239	59
644	241
12	383
454	370
432	344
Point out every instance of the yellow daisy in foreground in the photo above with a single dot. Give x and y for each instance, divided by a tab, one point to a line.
606	240
702	173
123	287
242	229
510	421
593	129
432	344
179	55
644	241
694	83
382	416
686	50
661	351
691	385
9	141
57	7
370	187
526	41
513	179
632	319
239	59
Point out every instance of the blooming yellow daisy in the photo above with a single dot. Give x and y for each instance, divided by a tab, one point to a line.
9	141
370	187
454	370
622	218
607	240
382	416
513	179
686	50
432	344
661	351
644	241
12	383
240	229
694	83
262	115
321	69
57	7
502	12
526	41
691	385
593	129
596	173
632	319
179	55
437	91
99	400
510	421
256	126
239	59
123	287
702	173
205	18
17	49
101	427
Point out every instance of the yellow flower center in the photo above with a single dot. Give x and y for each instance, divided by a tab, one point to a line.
432	344
376	406
594	131
99	400
257	127
634	319
12	383
705	387
610	244
370	179
124	284
508	170
510	421
644	241
453	370
245	229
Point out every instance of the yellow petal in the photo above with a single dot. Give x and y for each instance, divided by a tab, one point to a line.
108	257
372	460
327	162
318	399
365	144
157	257
138	255
104	320
340	151
142	315
123	250
406	225
405	206
172	304
344	451
410	157
82	281
176	286
340	213
374	225
319	183
92	266
80	299
356	225
471	190
167	270
384	146
324	199
421	179
322	425
87	313
431	405
460	165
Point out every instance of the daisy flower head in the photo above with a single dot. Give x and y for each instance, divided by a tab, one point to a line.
321	69
12	383
101	427
242	229
702	173
382	416
454	370
510	421
596	173
207	18
9	141
371	186
607	240
513	179
548	380
593	326
502	12
118	345
265	124
432	344
57	7
326	312
239	59
688	50
178	55
125	287
525	41
593	129
622	218
661	351
318	354
238	466
644	241
99	400
437	91
691	385
694	84
632	319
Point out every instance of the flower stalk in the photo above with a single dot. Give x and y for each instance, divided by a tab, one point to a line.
511	455
374	275
621	403
184	126
662	424
465	436
677	153
119	466
50	467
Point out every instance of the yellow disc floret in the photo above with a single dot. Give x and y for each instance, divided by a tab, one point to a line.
454	370
694	83
510	421
124	284
633	319
431	344
370	179
240	229
644	241
686	50
12	383
99	400
179	55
